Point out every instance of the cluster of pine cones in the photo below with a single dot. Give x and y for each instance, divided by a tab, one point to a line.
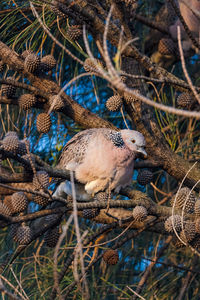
35	65
187	230
17	204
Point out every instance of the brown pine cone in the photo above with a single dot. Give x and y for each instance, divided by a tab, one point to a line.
196	243
27	101
7	201
1	66
189	232
32	63
11	133
74	32
111	257
185	100
114	103
183	196
140	213
41	180
90	213
40	200
22	147
144	177
129	97
177	223
91	66
48	62
43	123
51	237
4	210
123	78
13	230
23	235
56	7
197	225
101	196
8	90
19	202
11	143
197	207
25	53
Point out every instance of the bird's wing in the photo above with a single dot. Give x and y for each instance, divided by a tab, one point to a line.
74	151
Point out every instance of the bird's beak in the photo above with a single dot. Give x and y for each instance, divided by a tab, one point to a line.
142	153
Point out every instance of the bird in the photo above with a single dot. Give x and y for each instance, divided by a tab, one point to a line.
102	159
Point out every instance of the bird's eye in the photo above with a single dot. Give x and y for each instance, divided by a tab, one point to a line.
133	141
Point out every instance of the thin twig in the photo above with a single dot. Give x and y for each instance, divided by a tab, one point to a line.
149	268
184	66
114	78
12	286
55	256
51	36
78	235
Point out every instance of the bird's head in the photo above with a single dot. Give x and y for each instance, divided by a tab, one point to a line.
135	142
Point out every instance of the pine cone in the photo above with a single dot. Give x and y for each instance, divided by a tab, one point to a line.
139	213
56	6
183	196
114	103
130	98
1	66
23	235
40	200
189	232
13	231
197	225
41	180
197	207
22	147
48	62
26	53
90	213
11	143
166	46
185	100
19	202
11	133
91	66
144	177
27	101
74	32
32	63
111	257
101	196
4	210
196	243
123	78
57	102
43	123
7	201
51	237
8	90
177	223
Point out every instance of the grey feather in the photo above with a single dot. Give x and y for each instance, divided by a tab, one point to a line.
75	149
